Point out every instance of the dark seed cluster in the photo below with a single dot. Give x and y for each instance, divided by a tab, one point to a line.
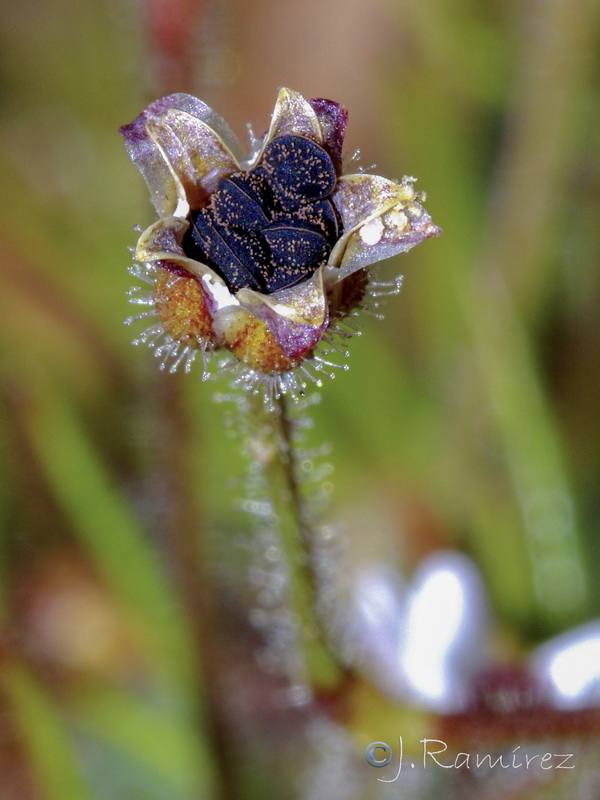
272	227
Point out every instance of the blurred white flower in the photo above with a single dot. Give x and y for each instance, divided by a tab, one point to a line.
425	641
567	667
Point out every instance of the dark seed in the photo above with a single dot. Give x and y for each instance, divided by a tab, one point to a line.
237	208
272	227
203	243
299	168
293	255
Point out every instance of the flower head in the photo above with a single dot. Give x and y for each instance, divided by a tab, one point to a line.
262	258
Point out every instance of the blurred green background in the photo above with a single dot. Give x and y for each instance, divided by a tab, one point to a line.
468	419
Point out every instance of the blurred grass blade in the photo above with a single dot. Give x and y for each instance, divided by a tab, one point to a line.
106	527
44	736
164	744
534	458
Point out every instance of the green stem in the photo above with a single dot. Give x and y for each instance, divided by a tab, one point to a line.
273	446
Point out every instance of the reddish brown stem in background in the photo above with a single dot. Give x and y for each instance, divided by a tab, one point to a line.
171	32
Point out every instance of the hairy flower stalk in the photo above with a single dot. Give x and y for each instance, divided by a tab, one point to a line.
265	261
286	614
